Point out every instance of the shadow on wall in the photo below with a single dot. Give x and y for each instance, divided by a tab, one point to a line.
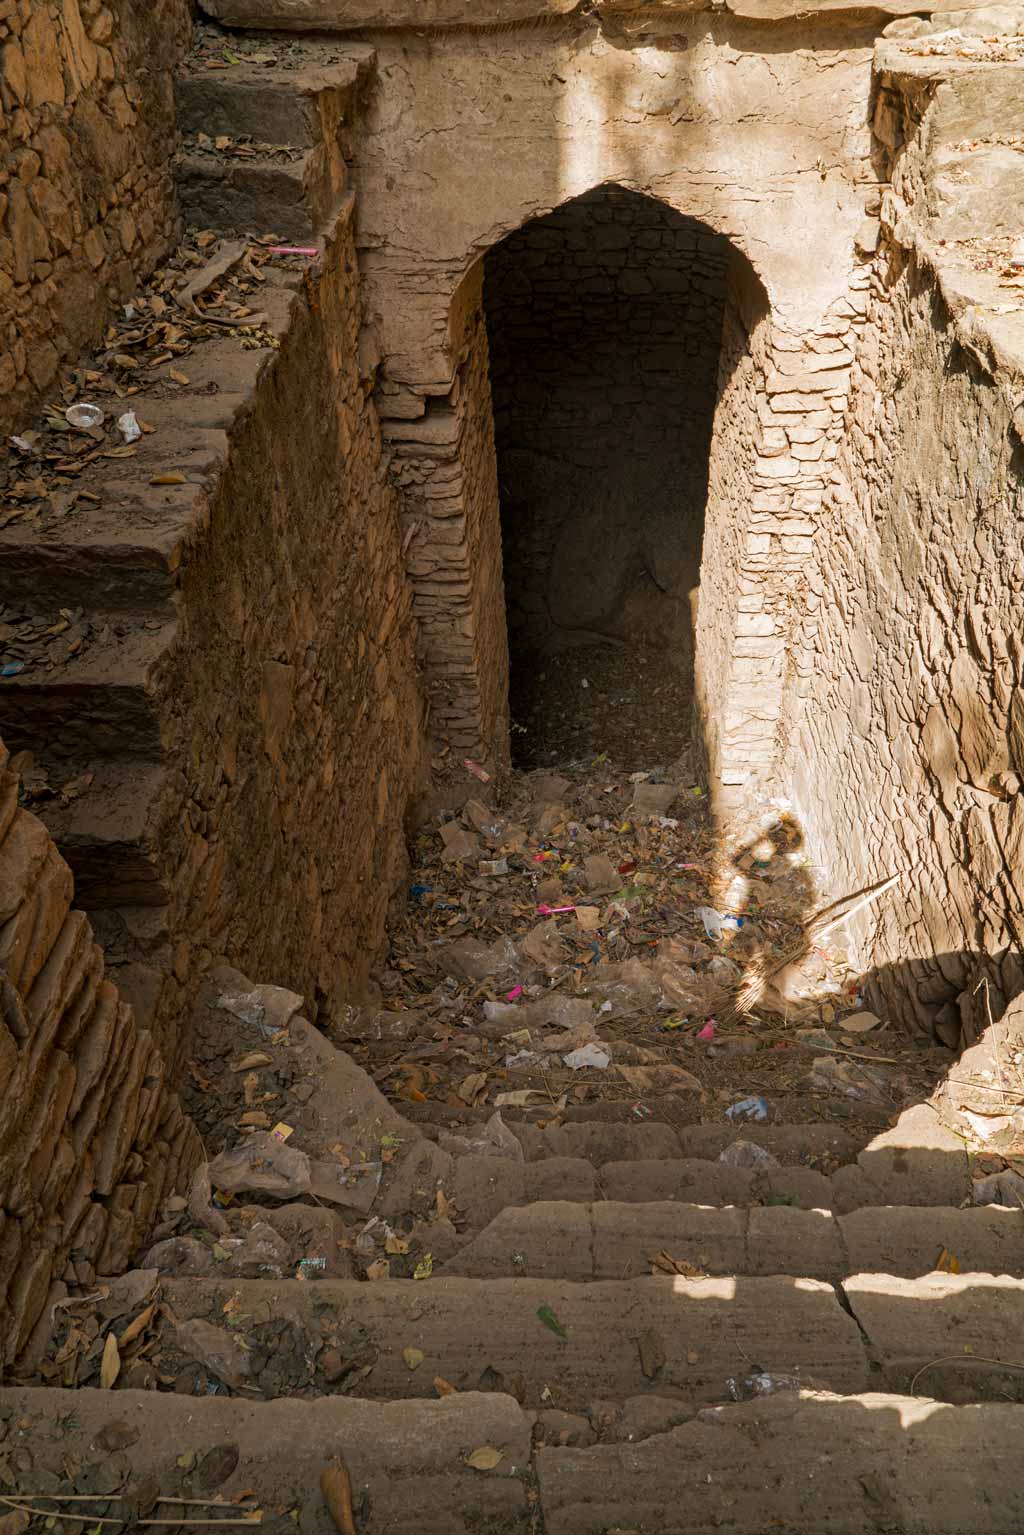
951	998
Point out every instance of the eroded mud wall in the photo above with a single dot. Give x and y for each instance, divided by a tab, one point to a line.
92	1136
293	702
87	204
915	714
910	755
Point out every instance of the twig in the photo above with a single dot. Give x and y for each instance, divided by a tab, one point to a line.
1004	1364
76	1300
116	1497
860	1055
984	1087
48	1513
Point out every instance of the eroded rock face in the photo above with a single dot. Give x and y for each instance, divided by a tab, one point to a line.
908	755
92	1136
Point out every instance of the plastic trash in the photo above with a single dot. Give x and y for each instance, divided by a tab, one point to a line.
83	416
587	1055
708	1031
262	1165
717	923
747	1154
245	1005
497	1140
128	426
748	1108
11	668
492	866
479	961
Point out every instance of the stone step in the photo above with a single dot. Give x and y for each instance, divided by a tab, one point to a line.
94	705
953	1336
247	197
107	834
611	1240
798	1463
685	1338
408	1461
123	553
918	1162
271	105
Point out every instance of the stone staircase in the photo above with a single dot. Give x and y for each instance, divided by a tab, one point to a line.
96	716
607	1335
603	1328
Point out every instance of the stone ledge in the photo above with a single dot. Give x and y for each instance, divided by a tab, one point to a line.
359	15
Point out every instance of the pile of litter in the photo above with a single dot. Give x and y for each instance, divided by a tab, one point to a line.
592	943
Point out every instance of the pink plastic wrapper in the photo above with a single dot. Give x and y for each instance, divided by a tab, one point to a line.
708	1031
514	994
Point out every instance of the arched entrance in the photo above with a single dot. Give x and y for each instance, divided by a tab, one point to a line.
604	326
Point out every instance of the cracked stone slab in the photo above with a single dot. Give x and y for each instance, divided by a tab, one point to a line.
696	1334
406	1460
943	1328
806	1461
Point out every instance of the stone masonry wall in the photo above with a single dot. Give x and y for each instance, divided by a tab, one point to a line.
291	702
443	463
87	204
92	1137
782	396
604	321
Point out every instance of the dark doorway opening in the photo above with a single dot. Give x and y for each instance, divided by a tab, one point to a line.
604	323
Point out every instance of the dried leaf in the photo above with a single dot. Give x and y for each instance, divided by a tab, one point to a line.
424	1268
947	1262
381	1269
336	1486
471	1087
413	1357
485	1458
255	1058
444	1387
110	1367
139	1325
172	477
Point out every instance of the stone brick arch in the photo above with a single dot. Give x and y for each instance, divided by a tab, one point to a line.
778	408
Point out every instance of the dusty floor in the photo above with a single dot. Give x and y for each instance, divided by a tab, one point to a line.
611	701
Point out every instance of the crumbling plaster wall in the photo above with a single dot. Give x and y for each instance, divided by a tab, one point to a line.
92	1136
759	132
909	758
87	204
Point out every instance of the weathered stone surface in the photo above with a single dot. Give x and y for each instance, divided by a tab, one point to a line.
75	88
353	15
72	1102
